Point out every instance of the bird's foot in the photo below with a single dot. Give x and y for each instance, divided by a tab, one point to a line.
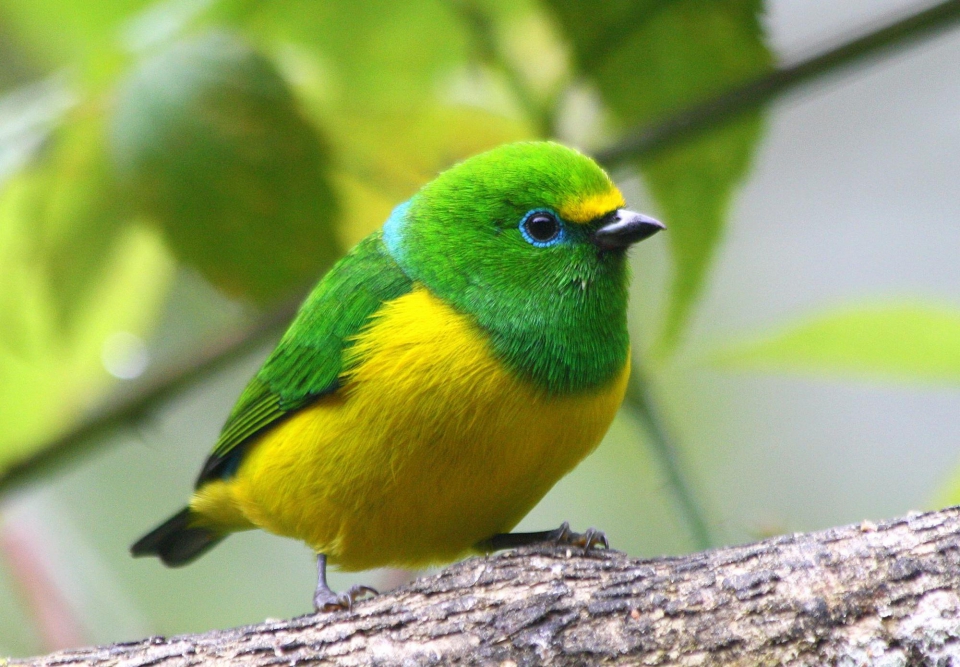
589	539
562	536
327	600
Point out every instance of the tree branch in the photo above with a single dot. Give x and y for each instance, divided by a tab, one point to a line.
858	595
688	123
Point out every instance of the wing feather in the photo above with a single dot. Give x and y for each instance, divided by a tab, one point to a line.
308	360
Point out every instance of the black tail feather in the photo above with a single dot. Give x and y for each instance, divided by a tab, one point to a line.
176	542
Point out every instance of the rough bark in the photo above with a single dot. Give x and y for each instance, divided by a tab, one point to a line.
870	594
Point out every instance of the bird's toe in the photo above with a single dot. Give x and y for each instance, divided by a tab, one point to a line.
330	601
591	538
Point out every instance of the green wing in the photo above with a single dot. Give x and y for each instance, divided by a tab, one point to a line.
308	361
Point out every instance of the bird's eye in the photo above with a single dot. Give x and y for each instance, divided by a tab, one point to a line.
540	228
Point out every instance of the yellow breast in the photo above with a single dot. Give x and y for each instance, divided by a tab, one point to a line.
431	446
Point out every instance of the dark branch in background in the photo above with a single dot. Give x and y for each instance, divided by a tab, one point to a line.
174	379
690	122
870	594
642	405
147	396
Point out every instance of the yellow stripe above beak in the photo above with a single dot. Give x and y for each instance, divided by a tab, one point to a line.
581	211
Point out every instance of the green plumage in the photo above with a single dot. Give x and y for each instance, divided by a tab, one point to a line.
556	315
308	361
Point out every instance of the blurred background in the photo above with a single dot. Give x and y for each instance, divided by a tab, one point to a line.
173	175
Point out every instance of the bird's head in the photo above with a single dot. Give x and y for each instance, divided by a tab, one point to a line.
530	240
515	220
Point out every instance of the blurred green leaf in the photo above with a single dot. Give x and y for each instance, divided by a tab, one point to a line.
911	342
384	152
211	143
62	33
73	273
654	57
77	211
28	116
380	86
374	55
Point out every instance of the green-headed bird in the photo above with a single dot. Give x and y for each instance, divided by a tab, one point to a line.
439	380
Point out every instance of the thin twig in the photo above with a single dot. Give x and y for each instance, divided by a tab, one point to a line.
693	120
641	404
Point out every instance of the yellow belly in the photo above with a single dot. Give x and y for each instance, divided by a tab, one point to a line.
431	446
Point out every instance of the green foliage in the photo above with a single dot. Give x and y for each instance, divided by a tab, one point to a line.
73	272
651	58
947	493
76	210
210	141
905	342
81	28
374	56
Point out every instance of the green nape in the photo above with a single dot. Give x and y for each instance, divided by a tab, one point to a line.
555	315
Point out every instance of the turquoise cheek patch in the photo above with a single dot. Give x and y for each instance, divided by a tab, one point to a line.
393	230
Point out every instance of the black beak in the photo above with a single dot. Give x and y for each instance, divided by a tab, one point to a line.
624	229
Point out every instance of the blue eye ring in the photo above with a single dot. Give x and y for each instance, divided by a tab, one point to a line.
542	228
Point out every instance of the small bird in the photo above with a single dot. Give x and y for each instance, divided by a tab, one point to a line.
438	380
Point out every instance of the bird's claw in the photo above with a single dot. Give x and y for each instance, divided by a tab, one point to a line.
589	539
342	601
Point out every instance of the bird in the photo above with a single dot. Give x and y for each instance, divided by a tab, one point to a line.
438	380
